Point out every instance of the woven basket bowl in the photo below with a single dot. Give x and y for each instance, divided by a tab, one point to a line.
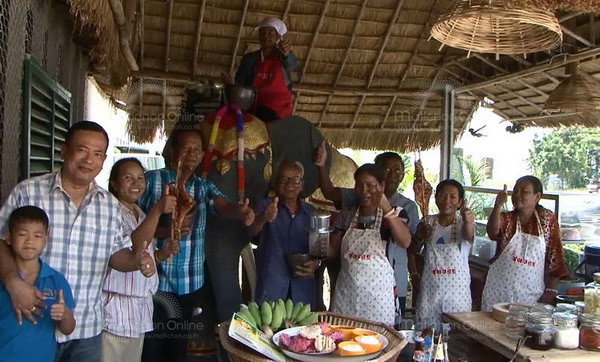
238	352
486	28
578	93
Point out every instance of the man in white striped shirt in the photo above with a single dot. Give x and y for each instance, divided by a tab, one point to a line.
86	236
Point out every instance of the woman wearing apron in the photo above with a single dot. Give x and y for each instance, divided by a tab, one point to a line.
446	280
529	258
365	285
268	71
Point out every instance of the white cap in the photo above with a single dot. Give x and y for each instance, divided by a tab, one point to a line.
272	22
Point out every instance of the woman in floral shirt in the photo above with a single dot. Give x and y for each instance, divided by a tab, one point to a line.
529	258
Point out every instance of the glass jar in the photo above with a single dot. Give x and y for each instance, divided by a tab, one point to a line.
540	330
566	308
516	320
591	296
543	308
589	332
566	333
419	353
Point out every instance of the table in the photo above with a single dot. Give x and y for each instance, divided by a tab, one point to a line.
481	327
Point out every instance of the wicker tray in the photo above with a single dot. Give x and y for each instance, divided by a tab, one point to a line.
239	352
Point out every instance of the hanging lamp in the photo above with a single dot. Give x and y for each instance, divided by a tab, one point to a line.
487	26
580	92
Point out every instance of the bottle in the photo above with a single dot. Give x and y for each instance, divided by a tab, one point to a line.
516	320
591	296
589	332
419	353
540	329
566	333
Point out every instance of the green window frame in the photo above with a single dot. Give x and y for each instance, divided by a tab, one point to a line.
46	117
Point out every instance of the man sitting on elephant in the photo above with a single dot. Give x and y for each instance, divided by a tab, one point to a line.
182	276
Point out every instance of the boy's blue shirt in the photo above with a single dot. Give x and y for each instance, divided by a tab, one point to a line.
29	342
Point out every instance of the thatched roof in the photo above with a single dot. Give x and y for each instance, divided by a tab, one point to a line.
367	75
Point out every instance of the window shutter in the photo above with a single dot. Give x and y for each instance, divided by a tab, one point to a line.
46	119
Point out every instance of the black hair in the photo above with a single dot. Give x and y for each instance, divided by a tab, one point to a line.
453	183
27	213
370	169
382	157
114	172
534	181
85	126
181	128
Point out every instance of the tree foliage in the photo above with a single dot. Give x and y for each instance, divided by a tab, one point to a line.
572	153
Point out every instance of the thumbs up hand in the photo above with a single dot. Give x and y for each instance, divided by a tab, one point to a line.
246	213
466	213
57	312
167	202
144	261
271	210
502	197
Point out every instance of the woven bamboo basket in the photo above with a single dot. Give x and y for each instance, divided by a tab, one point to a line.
239	353
486	26
580	92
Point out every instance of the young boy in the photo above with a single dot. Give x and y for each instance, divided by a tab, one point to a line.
27	237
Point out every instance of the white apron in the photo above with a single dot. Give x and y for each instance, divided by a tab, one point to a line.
365	286
517	276
446	280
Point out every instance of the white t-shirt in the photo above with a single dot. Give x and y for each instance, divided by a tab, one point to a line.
443	235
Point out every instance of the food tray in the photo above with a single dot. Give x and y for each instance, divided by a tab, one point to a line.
238	352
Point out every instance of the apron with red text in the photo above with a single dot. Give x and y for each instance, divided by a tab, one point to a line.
446	280
365	286
517	276
272	92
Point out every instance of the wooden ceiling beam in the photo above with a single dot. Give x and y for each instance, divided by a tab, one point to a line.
552	64
341	69
464	80
393	129
239	36
569	16
525	62
404	73
198	37
296	98
142	12
543	117
386	38
286	11
576	36
314	40
504	89
168	45
504	71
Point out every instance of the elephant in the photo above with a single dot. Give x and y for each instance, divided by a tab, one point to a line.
266	144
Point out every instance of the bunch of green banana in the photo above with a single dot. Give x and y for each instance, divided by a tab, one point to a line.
272	316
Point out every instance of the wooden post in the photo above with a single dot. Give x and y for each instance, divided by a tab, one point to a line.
447	132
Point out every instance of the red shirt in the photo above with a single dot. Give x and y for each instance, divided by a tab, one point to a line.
555	262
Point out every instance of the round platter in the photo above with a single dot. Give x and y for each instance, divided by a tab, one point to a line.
331	356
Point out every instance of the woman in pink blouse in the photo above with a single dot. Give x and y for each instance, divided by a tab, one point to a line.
127	297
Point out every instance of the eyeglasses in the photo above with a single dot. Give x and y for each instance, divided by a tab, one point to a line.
294	180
